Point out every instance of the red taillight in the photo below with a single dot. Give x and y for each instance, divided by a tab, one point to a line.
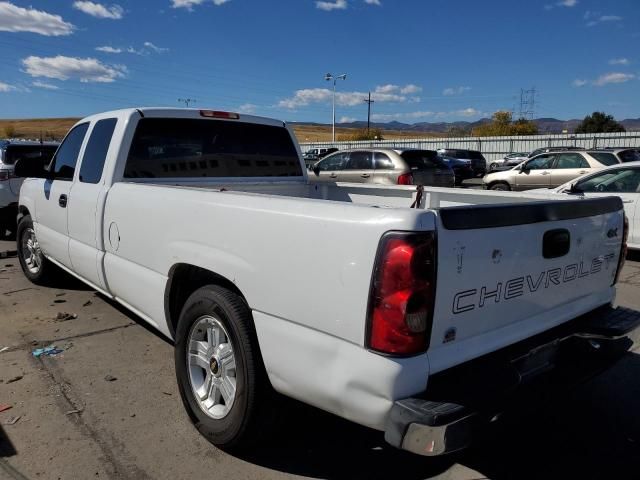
217	114
623	248
405	179
402	294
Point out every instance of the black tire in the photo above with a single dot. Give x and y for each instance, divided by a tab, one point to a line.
252	411
46	273
501	186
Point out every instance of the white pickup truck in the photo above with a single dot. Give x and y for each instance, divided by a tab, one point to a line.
420	322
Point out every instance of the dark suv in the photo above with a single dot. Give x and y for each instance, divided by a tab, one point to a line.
478	162
10	153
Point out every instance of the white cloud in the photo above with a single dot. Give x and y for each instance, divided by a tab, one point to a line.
594	18
113	12
155	48
567	3
417	115
411	88
614	77
108	49
387	88
248	108
373	2
188	4
579	83
5	87
467	112
347	119
65	68
455	90
382	93
46	86
619	61
18	19
328	6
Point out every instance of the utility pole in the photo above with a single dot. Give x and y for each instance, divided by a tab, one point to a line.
187	101
369	102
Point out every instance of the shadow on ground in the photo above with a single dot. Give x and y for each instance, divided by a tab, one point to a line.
6	447
591	433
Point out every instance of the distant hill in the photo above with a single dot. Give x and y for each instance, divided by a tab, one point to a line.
545	125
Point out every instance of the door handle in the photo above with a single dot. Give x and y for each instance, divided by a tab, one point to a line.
582	172
545	173
333	175
62	201
365	175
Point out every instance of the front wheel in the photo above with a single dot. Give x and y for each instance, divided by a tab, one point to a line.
221	378
33	262
502	186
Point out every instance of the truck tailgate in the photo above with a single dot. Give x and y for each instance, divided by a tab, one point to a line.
508	272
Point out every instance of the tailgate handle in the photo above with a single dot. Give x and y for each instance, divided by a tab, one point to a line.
556	243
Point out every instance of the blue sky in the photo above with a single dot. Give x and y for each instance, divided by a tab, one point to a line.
424	60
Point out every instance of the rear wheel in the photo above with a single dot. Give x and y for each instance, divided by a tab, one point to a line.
500	186
493	166
221	378
33	262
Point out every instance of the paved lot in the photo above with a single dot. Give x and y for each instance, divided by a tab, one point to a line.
74	424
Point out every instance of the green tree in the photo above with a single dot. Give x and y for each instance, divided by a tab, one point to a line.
599	122
502	124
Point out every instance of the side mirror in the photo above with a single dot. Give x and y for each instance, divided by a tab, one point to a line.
316	170
524	168
29	168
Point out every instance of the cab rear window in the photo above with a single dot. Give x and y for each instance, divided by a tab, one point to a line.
422	159
171	147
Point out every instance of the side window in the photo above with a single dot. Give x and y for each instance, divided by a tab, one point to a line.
63	165
382	161
334	162
571	160
614	181
359	161
540	163
96	152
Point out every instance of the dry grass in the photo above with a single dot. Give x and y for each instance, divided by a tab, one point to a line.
56	128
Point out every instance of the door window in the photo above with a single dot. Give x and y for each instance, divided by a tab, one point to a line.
334	162
96	152
359	161
63	165
570	160
382	161
540	163
620	180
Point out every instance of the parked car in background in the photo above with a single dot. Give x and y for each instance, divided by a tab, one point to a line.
617	155
384	166
478	162
621	180
544	171
462	169
509	160
10	153
315	154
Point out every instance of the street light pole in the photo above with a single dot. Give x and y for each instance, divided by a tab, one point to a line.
329	77
369	102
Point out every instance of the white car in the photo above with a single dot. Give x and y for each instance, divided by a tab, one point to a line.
509	160
430	307
621	180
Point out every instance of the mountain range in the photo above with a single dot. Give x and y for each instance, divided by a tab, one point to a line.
545	125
